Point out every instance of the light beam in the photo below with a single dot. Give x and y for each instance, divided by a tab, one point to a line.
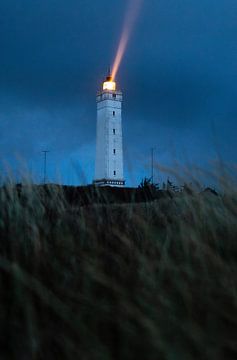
132	14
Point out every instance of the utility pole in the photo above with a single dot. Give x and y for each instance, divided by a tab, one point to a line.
45	152
152	165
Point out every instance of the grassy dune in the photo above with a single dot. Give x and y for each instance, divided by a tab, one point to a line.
149	280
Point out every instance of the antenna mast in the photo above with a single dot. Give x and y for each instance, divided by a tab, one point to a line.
152	165
45	152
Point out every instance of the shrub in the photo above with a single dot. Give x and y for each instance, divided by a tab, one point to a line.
155	280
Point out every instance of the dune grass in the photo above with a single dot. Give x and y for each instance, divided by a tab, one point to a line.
155	280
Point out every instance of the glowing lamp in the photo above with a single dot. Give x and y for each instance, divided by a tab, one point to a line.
109	84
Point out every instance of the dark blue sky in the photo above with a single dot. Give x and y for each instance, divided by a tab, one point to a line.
179	78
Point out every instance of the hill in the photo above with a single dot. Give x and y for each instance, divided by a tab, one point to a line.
115	278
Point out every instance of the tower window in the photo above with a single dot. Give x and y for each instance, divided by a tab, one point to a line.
113	113
114	131
114	172
114	151
114	96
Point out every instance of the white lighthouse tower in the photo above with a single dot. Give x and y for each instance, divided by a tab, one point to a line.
109	141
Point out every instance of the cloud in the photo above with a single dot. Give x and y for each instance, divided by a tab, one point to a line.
179	76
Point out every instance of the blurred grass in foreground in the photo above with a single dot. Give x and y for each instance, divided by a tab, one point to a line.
155	280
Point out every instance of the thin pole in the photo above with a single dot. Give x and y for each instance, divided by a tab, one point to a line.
45	152
152	165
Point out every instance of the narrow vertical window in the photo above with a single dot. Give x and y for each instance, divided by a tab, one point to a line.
114	131
113	113
114	151
114	172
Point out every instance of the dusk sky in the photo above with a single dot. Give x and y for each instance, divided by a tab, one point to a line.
178	77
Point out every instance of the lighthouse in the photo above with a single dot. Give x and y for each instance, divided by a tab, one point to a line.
109	139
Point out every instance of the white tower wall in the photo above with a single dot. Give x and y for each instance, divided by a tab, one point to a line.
109	142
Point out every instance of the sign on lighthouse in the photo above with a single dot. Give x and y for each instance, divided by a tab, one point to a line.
109	140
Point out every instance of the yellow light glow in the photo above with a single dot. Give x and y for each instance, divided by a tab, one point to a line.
109	85
133	10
